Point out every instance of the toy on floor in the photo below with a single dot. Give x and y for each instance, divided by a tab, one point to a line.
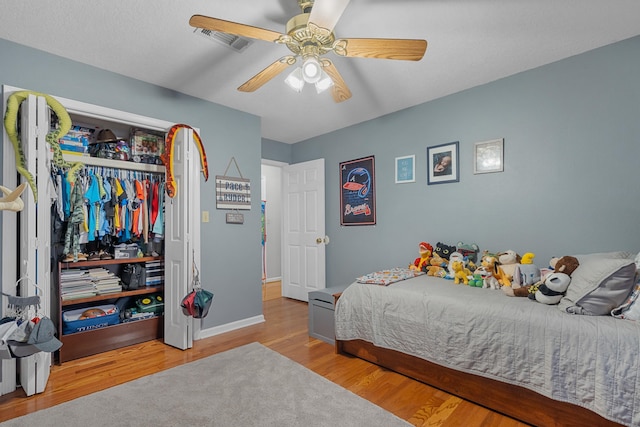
422	262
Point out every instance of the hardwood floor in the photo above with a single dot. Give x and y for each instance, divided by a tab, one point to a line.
284	331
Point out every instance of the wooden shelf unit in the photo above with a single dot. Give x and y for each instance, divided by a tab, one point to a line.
86	343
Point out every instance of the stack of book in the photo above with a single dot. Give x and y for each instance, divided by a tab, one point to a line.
105	281
76	284
154	273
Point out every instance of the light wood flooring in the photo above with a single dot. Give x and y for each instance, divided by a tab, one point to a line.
284	331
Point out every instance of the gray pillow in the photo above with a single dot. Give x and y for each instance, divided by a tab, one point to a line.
599	285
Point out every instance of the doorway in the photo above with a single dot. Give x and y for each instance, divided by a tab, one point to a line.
271	196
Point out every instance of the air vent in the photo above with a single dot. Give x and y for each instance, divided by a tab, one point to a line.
235	43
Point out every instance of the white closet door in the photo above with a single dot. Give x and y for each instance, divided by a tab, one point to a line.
179	244
35	237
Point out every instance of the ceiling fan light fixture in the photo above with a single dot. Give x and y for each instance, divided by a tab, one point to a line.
324	83
295	80
311	70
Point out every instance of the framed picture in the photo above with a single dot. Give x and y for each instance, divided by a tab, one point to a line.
405	169
442	163
488	156
358	192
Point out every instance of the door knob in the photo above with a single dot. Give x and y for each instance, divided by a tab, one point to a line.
324	240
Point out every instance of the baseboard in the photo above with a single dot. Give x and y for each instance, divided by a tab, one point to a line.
273	279
217	330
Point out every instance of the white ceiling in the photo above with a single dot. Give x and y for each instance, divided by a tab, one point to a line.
471	42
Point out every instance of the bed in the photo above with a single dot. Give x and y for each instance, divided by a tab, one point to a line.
527	360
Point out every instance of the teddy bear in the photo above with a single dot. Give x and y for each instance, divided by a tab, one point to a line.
422	262
460	272
435	267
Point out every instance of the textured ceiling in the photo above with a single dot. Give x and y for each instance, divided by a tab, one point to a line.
471	42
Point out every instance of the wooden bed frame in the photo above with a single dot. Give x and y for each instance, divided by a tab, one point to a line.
514	401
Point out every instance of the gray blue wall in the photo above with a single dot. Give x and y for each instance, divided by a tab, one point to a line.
230	253
572	151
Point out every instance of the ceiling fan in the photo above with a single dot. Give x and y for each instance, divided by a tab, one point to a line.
309	36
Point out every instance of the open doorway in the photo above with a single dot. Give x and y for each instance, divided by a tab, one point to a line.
271	196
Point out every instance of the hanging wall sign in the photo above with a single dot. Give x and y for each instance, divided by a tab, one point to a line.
233	193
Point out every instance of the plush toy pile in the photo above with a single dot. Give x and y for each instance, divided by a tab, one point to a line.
516	275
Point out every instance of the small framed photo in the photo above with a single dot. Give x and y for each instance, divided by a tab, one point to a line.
488	156
442	163
405	169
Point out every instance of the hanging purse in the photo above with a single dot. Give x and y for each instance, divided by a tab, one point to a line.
197	302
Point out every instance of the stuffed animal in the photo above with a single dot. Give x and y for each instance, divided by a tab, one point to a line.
469	251
476	280
527	258
460	272
566	264
422	262
454	256
488	281
508	261
491	264
435	267
443	250
552	290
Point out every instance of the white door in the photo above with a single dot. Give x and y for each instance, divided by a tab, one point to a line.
35	250
304	240
182	233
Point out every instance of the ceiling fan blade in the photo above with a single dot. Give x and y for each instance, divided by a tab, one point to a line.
242	30
406	49
340	91
256	82
325	13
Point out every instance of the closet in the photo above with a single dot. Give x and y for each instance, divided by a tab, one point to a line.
26	241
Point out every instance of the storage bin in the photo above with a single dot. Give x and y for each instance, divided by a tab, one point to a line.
72	322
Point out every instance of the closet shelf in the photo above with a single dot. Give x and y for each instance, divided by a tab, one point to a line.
117	164
141	291
80	264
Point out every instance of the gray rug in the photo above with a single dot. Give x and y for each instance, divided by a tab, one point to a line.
247	386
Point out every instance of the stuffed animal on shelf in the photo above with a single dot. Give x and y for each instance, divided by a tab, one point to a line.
460	272
422	262
435	267
443	250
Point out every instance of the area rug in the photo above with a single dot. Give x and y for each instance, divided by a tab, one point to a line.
247	386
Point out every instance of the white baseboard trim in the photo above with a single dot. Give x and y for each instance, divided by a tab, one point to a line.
217	330
273	279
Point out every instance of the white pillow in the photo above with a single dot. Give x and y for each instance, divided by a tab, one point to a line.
599	284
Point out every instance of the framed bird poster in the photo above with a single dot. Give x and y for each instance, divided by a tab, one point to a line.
358	192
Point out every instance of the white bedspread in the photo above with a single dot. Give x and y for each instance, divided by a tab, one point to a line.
591	361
